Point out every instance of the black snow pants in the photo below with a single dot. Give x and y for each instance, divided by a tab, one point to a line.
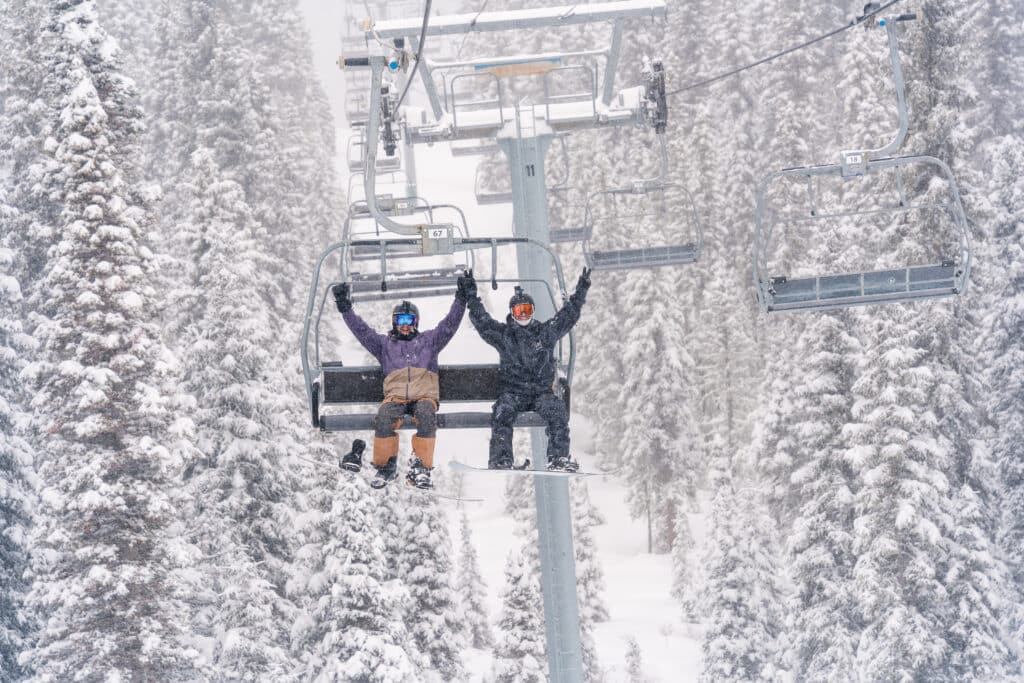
551	408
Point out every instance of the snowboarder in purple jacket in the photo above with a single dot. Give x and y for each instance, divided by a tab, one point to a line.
408	358
526	369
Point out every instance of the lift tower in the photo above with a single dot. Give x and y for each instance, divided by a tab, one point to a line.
524	131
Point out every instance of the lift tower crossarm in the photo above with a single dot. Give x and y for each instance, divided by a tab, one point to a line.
565	15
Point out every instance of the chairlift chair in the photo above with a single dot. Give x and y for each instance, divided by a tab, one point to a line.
333	383
654	205
865	170
357	107
488	195
568	209
356	156
889	185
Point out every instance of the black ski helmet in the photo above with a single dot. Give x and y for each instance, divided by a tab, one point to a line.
405	307
520	297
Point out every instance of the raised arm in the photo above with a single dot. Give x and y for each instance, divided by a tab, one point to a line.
487	327
570	313
450	324
373	342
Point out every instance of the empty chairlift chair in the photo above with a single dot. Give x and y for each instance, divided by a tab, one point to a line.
356	156
492	184
619	222
905	207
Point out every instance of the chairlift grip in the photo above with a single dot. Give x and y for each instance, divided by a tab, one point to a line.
346	62
911	16
315	405
494	265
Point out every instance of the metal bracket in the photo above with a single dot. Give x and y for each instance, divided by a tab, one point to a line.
437	239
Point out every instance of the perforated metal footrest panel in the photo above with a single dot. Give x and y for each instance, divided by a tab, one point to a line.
855	289
647	257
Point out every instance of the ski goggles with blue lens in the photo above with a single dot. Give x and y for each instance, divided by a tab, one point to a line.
404	319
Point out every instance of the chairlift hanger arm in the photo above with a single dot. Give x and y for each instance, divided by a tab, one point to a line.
889	23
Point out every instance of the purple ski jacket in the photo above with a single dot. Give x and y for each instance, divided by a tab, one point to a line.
410	366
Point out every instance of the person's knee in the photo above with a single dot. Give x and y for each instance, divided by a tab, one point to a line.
425	417
389	418
504	414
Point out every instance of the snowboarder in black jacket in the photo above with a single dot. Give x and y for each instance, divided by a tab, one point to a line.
527	369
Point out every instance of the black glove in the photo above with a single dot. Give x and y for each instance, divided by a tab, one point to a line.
583	284
466	287
342	297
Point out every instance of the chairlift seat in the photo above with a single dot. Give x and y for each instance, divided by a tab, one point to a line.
852	289
344	385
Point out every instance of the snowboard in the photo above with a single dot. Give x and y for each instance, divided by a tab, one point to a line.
463	467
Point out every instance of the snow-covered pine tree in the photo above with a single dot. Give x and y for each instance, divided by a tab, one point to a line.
25	120
16	477
471	590
589	571
980	648
740	598
1005	332
660	450
519	655
824	621
903	507
999	207
589	576
101	566
634	662
240	500
685	570
425	568
352	630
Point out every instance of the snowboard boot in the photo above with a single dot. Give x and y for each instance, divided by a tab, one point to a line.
562	463
353	460
500	462
419	475
385	473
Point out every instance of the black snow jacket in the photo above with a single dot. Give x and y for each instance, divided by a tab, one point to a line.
526	352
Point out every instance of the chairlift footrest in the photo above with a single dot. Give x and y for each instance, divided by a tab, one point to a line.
647	257
853	289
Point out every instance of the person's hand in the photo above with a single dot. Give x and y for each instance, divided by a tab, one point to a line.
466	287
584	282
342	297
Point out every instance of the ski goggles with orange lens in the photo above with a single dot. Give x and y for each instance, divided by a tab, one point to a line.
522	311
404	319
